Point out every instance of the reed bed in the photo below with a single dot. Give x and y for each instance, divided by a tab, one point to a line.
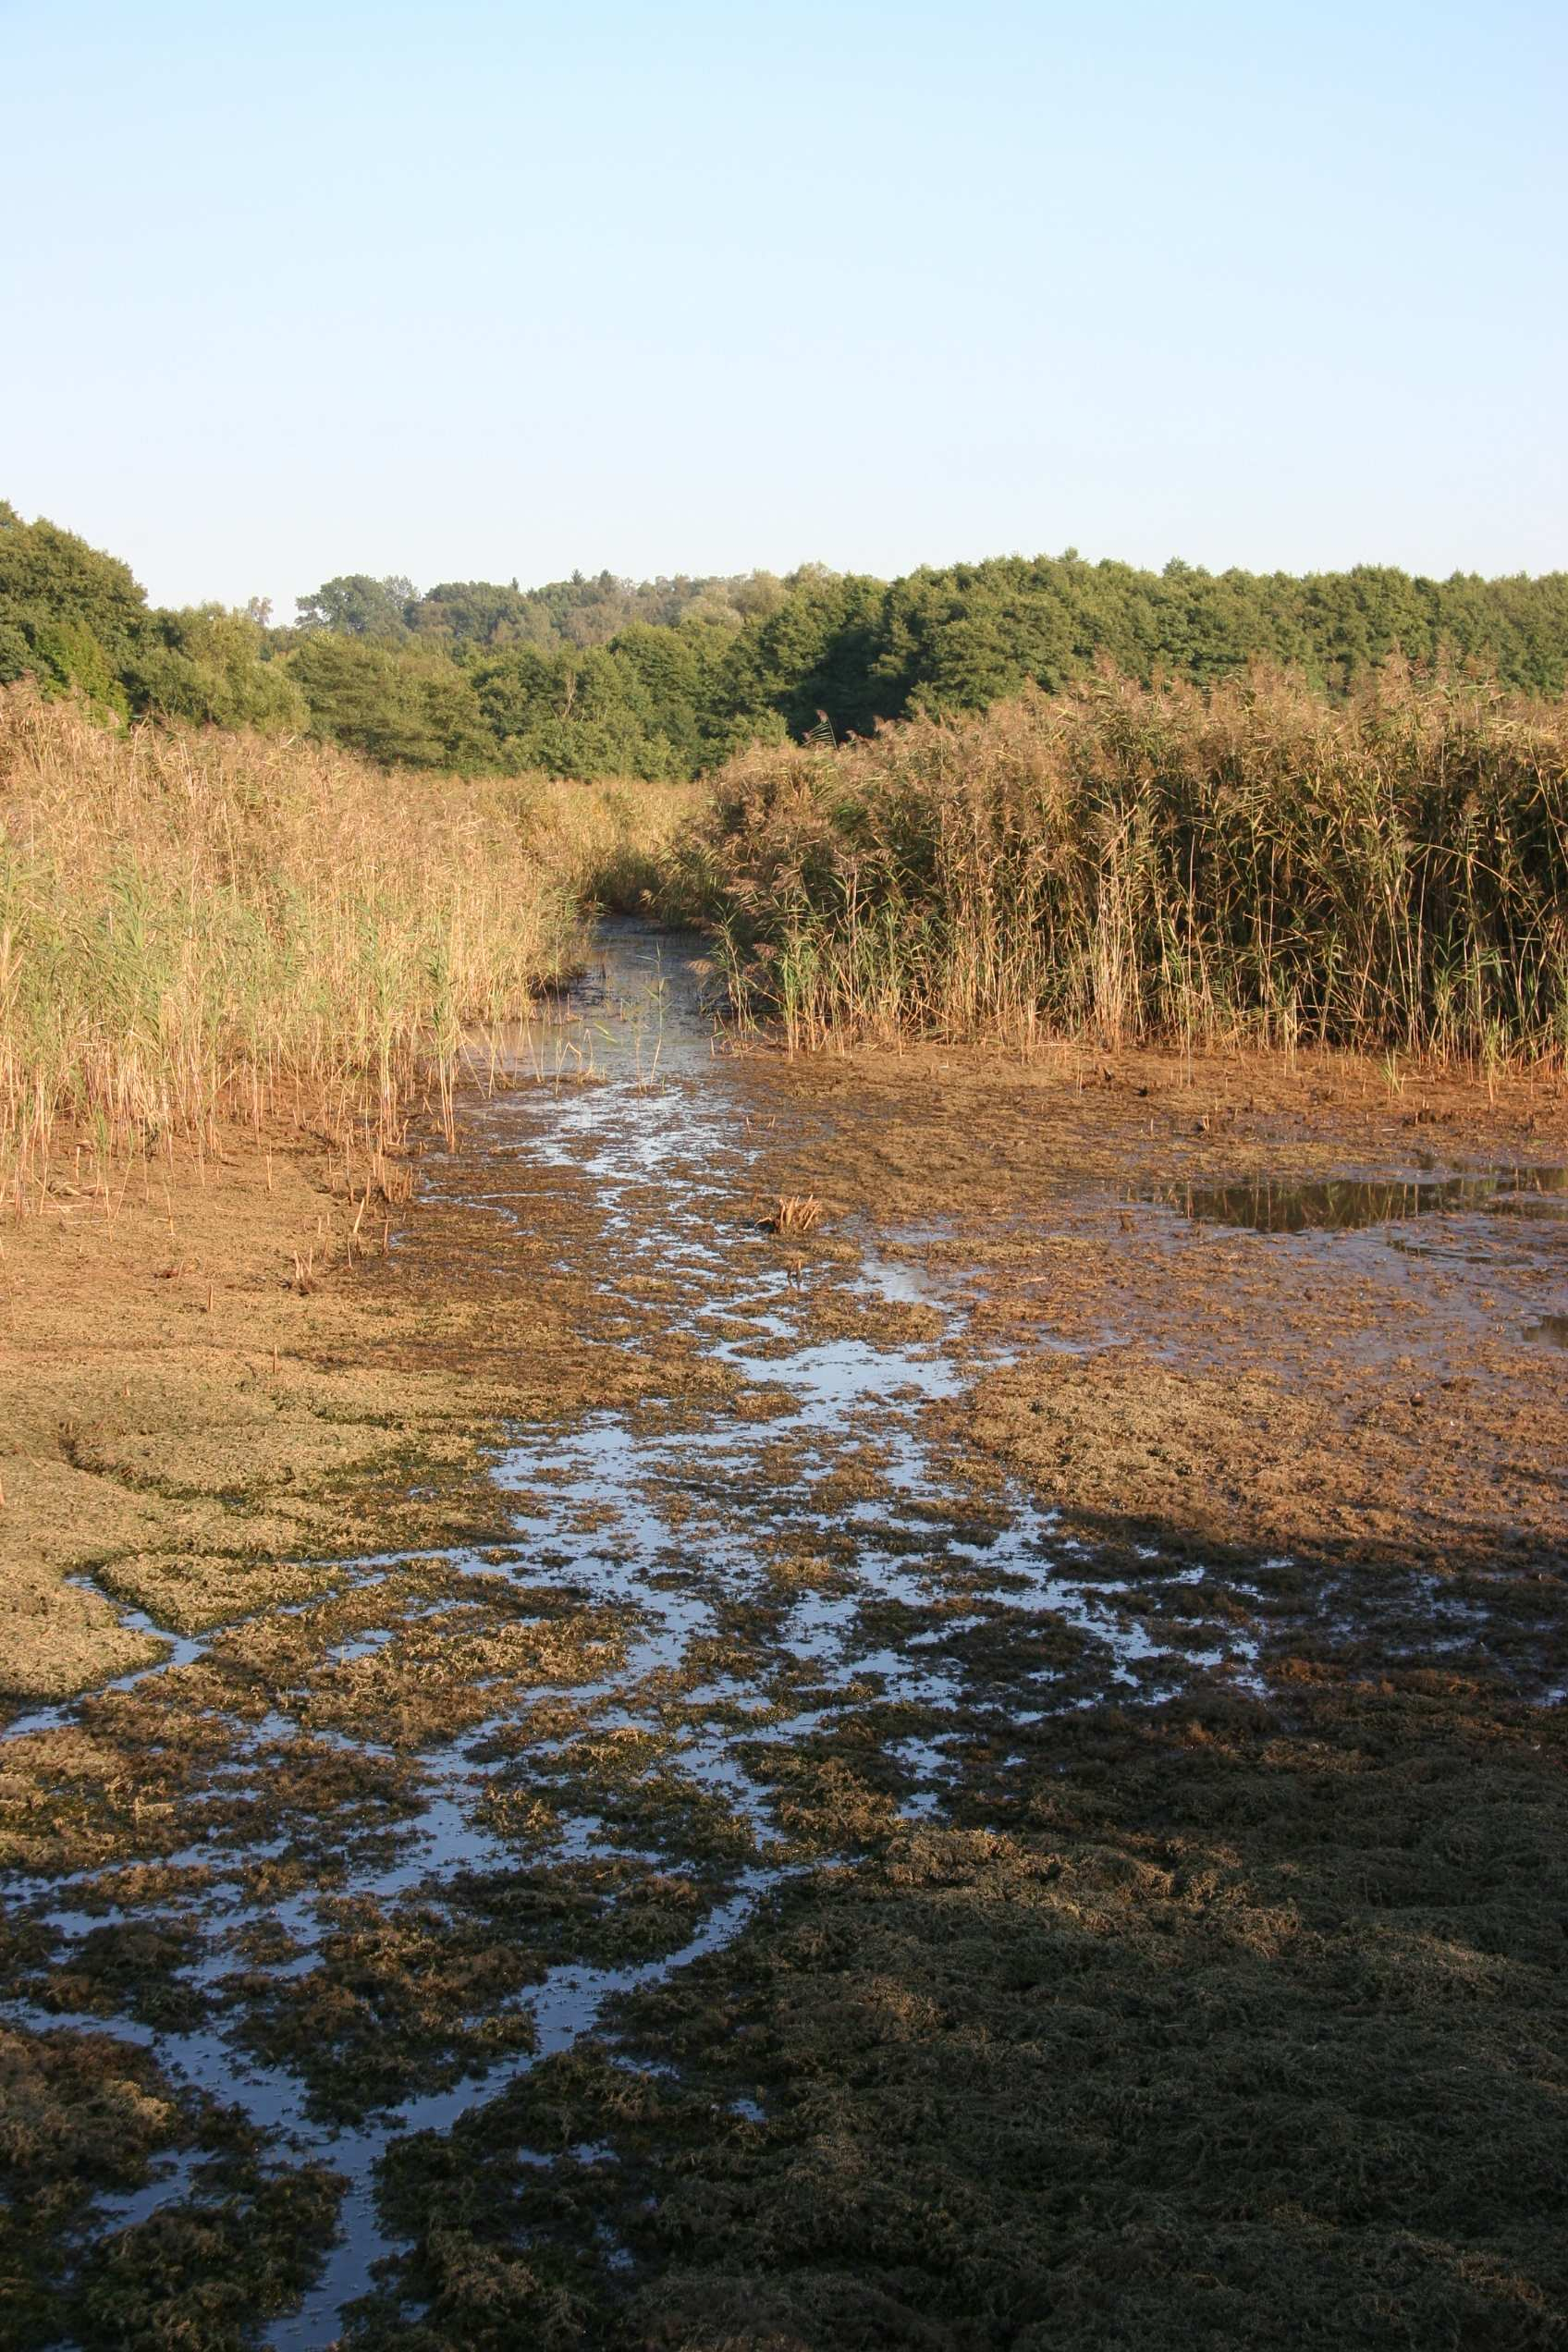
195	925
1248	865
624	847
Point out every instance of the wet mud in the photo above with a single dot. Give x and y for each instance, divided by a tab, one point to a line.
988	1774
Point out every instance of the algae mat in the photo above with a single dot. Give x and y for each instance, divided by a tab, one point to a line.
991	1776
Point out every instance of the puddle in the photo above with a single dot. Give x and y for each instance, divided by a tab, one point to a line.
695	1596
1350	1204
1550	1330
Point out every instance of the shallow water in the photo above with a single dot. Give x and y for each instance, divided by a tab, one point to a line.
1350	1204
748	1574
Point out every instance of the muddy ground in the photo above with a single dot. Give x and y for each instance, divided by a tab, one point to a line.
986	1775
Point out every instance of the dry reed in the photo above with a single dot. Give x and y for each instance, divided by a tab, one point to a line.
1251	864
194	926
793	1213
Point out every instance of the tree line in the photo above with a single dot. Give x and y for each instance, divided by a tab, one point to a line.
600	676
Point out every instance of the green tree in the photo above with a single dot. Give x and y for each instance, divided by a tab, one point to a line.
476	612
356	605
411	707
206	665
69	615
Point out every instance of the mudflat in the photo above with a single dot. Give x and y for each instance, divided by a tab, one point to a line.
1301	1305
985	1774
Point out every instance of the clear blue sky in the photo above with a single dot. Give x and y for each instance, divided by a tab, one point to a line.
482	290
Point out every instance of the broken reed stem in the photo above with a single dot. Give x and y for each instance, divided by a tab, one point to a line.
794	1213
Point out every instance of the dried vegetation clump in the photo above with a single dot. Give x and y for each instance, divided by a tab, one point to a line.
793	1213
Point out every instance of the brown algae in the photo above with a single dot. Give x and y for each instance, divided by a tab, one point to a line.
839	1854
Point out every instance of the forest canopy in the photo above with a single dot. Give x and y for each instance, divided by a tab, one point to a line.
600	676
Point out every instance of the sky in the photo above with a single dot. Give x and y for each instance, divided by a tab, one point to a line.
485	291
